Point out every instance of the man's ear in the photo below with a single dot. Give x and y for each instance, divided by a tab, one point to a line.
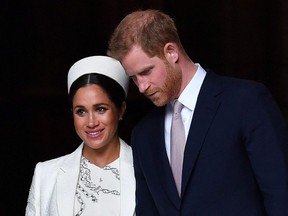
171	52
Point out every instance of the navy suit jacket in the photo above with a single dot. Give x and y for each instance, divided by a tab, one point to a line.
235	160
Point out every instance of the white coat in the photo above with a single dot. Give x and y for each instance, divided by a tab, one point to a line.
53	187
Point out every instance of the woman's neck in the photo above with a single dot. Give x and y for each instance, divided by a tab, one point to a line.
102	157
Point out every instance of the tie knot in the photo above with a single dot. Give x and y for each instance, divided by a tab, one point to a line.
177	106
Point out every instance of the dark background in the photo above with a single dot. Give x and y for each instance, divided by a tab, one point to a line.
41	39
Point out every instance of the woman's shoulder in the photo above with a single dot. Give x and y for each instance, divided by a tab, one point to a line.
124	145
53	163
125	151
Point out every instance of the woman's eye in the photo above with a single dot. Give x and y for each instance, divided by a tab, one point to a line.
80	112
101	109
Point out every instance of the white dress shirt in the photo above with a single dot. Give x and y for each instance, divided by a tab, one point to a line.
188	98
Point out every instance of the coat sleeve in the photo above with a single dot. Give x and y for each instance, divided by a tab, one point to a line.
33	203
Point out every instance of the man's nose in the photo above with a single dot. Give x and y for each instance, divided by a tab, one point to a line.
142	84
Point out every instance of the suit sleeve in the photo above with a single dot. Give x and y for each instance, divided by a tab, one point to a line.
267	146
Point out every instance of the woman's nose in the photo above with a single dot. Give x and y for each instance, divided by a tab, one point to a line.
92	121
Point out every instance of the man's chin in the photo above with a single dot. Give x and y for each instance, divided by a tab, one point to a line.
158	102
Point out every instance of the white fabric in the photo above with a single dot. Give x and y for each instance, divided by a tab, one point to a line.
188	98
98	189
53	187
99	64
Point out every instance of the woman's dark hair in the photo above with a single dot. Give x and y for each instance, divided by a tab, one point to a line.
114	90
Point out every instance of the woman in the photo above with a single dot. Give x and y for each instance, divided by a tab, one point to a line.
98	177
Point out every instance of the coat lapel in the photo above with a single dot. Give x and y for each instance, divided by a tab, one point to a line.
205	111
67	182
127	180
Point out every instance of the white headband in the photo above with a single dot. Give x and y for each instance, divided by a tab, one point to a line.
105	65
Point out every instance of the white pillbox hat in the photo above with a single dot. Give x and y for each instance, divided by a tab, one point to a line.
104	65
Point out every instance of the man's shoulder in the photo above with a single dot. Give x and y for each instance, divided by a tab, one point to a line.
233	83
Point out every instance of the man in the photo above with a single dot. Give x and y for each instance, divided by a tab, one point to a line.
235	160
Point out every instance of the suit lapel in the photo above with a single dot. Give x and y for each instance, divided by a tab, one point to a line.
161	164
205	110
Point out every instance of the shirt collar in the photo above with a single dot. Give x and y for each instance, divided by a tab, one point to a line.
189	95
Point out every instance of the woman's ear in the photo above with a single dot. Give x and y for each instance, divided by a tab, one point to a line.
123	109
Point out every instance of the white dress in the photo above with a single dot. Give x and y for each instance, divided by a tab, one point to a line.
98	189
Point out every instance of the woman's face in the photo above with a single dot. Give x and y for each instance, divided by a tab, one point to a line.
96	117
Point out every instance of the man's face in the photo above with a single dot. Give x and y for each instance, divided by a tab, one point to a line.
157	79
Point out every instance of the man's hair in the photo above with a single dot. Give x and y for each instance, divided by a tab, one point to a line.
150	29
